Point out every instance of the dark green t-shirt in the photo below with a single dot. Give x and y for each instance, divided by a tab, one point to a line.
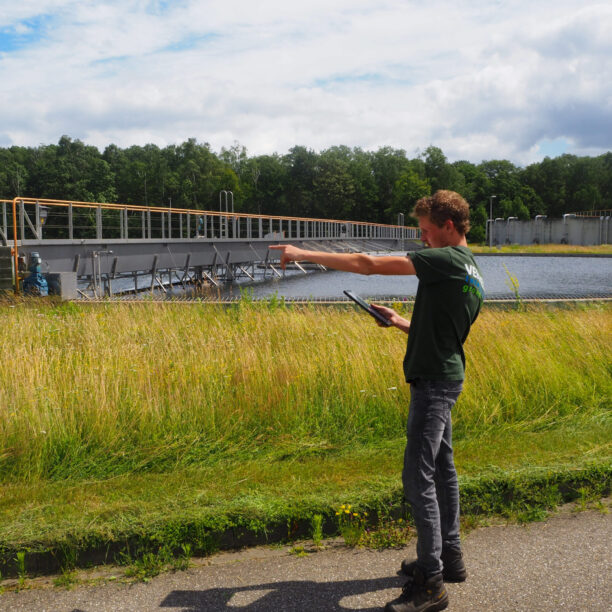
448	300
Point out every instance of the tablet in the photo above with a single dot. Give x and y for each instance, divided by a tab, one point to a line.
367	308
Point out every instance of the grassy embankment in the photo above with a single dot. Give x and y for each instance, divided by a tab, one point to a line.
544	249
133	426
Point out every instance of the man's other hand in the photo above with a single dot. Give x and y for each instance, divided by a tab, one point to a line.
393	317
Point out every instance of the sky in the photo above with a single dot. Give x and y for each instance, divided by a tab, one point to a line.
482	80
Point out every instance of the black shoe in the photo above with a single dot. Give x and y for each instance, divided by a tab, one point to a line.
452	563
420	594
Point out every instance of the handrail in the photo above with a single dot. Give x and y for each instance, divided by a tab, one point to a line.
605	212
193	211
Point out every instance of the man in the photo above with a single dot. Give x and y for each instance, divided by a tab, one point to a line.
448	300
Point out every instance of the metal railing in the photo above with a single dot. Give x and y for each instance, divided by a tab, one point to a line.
38	219
29	221
606	212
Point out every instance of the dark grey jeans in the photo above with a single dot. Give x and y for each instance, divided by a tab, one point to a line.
429	475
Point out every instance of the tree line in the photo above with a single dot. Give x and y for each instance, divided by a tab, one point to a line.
339	182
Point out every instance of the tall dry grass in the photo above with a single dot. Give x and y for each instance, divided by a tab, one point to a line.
99	390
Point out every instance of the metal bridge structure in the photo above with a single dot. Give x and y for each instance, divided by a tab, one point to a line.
92	245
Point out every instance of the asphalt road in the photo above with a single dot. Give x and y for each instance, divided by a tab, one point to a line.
564	563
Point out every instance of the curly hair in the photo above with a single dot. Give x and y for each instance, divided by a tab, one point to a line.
444	205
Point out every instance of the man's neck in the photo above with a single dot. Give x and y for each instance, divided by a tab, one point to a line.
459	240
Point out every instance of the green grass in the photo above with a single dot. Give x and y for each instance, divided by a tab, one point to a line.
600	249
139	429
100	391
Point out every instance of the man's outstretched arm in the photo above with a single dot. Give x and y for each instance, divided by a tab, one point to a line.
359	263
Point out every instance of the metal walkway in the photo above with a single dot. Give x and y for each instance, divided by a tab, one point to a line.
96	244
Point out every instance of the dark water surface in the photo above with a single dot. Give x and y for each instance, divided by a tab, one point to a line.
546	277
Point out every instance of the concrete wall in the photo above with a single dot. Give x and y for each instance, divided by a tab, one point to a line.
569	230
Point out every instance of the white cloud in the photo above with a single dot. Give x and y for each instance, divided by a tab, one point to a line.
480	80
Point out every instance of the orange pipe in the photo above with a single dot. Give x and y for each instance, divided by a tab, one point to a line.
164	209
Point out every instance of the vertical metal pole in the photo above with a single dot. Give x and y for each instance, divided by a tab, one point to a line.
260	227
163	225
99	223
126	224
4	227
70	222
154	272
142	219
180	225
22	219
93	272
491	218
37	215
149	223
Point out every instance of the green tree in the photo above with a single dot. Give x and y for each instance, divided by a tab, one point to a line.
409	188
13	173
301	166
270	195
364	199
334	189
388	164
440	173
71	170
478	220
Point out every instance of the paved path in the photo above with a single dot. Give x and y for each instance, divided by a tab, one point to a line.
562	564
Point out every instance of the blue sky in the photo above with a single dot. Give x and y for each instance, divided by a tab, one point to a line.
505	79
24	33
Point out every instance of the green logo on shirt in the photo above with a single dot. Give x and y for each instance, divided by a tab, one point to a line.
473	282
